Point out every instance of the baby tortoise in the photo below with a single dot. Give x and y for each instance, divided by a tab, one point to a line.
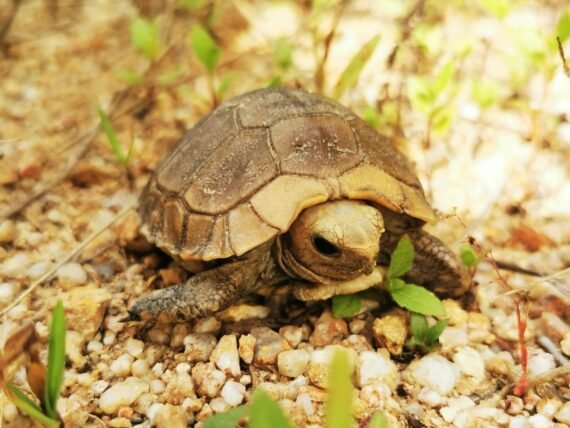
277	186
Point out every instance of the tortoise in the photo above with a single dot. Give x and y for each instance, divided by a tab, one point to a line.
282	186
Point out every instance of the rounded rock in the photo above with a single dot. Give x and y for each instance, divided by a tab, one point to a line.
293	363
434	372
122	393
233	393
71	275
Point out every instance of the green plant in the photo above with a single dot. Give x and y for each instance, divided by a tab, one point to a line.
109	131
144	35
47	392
409	296
208	53
424	337
283	58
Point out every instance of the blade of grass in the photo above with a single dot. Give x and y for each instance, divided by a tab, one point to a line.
56	360
266	413
338	409
109	132
22	402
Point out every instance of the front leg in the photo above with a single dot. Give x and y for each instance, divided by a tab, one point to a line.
209	291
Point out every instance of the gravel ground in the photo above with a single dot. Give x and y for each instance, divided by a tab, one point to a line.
500	175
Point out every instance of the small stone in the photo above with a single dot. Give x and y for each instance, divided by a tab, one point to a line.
452	337
431	398
455	406
375	394
159	334
119	423
548	406
268	344
157	386
192	404
134	347
519	421
236	313
179	333
357	342
540	363
293	363
179	387
152	412
292	334
226	356
140	368
434	372
563	414
208	379
122	394
304	401
470	362
121	366
391	331
514	405
169	416
74	342
327	329
565	345
199	347
71	275
374	367
182	368
539	421
319	363
455	313
246	348
37	270
85	307
233	393
209	325
8	231
356	326
15	266
8	291
98	387
219	405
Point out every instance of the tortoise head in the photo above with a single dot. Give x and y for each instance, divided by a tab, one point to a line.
333	241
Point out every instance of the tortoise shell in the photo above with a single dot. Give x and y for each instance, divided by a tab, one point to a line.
243	174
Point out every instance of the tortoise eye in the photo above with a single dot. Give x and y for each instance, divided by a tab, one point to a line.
325	247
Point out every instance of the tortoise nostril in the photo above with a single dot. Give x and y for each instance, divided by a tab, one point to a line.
325	247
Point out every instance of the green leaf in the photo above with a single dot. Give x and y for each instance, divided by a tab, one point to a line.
56	360
345	305
276	82
443	78
379	420
499	8
192	4
468	256
371	116
144	35
418	326
420	94
433	333
441	119
266	412
338	408
227	419
563	28
283	53
349	77
402	258
484	93
22	402
415	298
224	85
109	132
130	76
204	47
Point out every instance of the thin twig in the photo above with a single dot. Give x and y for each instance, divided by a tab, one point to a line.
67	257
563	57
538	379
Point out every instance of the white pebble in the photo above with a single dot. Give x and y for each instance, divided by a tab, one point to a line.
563	415
431	398
540	363
94	346
140	368
456	406
121	367
157	386
15	266
453	337
470	362
293	363
226	356
8	231
539	421
10	412
518	421
134	347
219	405
122	394
7	293
37	269
98	387
233	392
182	368
435	372
152	411
71	274
109	338
158	369
304	400
374	367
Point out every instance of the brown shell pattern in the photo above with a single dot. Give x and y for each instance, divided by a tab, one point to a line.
244	172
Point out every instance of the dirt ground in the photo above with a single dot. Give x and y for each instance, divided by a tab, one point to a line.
490	142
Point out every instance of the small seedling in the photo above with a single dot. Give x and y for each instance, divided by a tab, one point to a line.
338	408
409	296
208	53
144	35
46	392
111	135
424	337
